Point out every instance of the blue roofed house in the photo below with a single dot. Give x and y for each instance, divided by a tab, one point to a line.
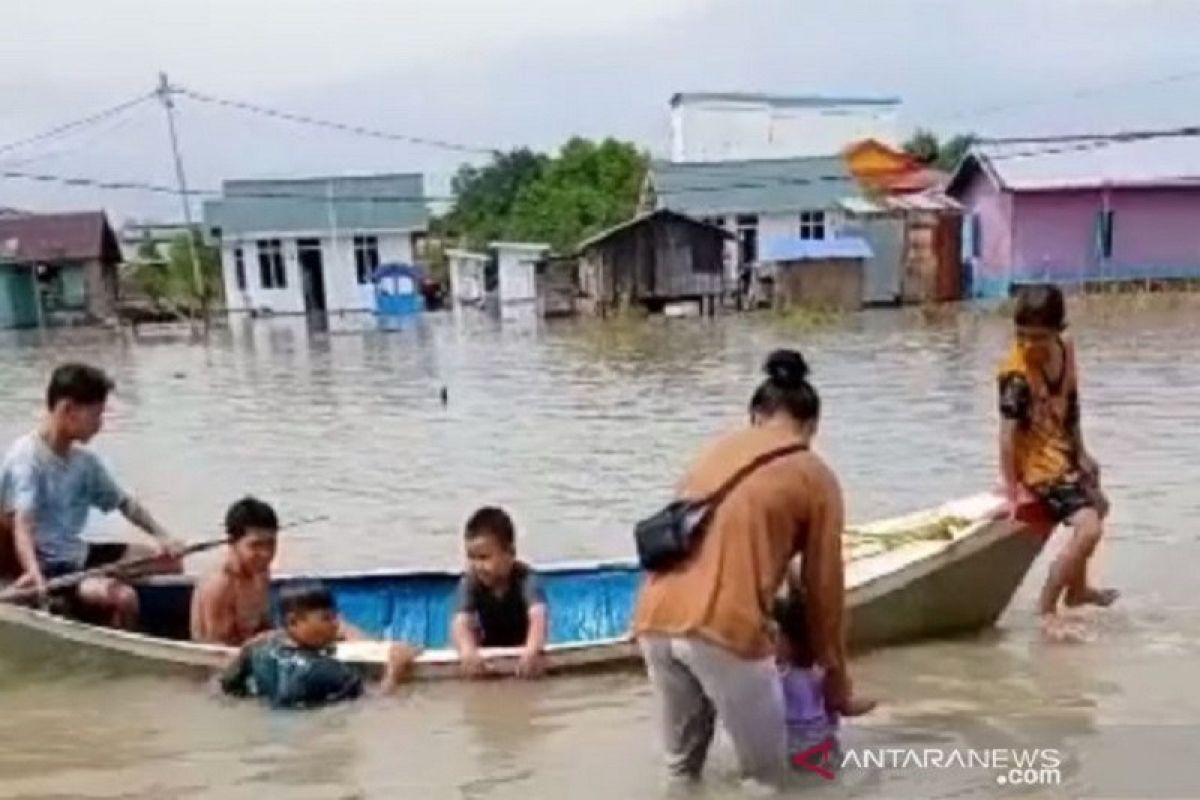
826	274
313	244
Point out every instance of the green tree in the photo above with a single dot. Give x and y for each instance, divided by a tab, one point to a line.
557	199
171	283
925	146
484	196
588	187
953	150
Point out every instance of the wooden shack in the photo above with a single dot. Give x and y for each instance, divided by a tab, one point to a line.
656	259
825	274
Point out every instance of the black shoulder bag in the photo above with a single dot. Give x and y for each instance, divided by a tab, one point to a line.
668	537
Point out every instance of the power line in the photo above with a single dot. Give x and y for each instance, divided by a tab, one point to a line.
86	139
152	188
1053	146
79	123
1040	146
357	130
1120	136
1078	94
1058	145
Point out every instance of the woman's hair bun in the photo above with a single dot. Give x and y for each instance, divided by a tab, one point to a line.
786	369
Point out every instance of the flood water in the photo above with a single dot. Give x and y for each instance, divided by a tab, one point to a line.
579	429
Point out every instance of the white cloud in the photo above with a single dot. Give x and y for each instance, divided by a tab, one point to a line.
256	45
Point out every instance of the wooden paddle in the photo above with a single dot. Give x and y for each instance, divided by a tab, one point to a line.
15	594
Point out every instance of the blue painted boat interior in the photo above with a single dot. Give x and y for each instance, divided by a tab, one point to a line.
585	604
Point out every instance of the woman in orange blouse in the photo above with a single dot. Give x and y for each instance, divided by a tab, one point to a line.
704	627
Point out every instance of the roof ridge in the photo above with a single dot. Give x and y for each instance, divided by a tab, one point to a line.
744	161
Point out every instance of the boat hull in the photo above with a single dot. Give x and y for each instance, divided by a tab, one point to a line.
899	594
960	591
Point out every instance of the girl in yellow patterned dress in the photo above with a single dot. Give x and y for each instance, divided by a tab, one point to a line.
1042	450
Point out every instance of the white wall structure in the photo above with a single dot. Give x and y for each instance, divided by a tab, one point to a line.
312	244
466	278
516	267
769	227
713	126
258	289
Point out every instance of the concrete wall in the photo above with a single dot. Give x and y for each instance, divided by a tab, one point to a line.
342	290
773	226
717	130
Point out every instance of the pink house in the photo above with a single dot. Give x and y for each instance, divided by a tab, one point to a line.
1077	210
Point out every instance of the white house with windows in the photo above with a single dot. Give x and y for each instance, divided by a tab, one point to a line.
757	200
312	244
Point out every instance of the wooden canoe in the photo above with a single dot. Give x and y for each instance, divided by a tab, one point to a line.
943	571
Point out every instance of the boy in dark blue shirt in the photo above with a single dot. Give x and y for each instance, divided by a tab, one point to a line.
296	667
500	600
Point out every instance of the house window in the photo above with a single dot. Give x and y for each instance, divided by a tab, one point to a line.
718	221
270	264
747	233
976	235
1104	233
812	225
239	269
366	258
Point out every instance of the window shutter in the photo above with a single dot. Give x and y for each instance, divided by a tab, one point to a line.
1104	234
976	235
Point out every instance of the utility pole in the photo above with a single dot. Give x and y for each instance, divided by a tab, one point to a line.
164	96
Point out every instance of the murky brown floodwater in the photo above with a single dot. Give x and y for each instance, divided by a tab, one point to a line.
579	429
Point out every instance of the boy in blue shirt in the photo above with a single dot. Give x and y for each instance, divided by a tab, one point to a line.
49	483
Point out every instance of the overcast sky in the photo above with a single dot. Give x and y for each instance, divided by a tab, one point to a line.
501	74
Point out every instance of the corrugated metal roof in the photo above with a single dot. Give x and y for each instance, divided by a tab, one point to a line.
790	248
920	201
640	218
861	205
751	187
925	201
369	203
1082	163
780	101
75	236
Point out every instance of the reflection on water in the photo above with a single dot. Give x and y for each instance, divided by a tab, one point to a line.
579	428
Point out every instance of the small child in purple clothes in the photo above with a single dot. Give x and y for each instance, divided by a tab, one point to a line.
812	729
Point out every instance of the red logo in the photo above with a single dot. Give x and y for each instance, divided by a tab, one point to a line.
817	758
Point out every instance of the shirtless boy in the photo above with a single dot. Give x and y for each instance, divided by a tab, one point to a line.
232	605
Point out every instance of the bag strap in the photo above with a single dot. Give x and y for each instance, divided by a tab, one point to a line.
716	498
